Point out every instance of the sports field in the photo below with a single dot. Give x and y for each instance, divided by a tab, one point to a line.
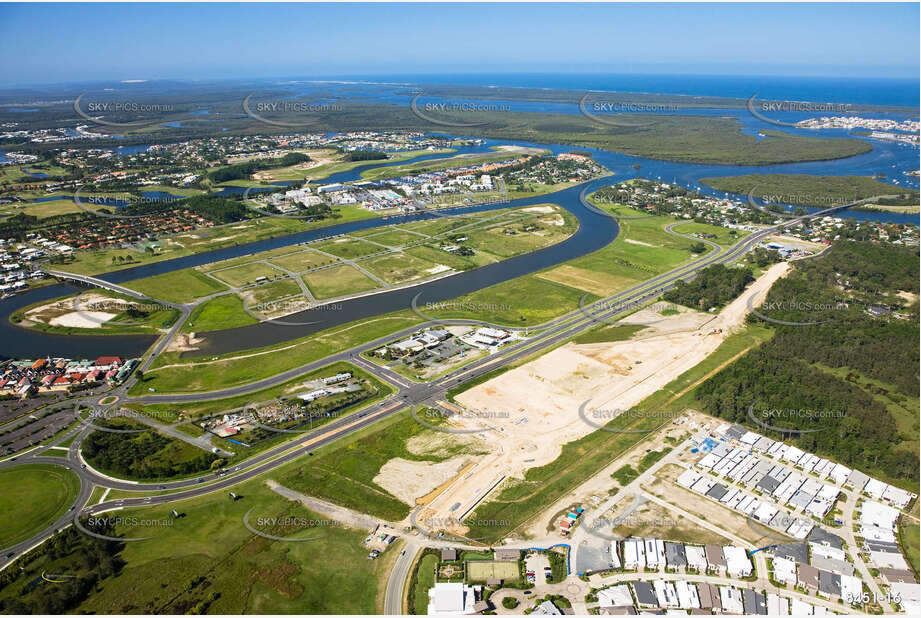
481	570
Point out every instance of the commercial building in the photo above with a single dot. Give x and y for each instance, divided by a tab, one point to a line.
451	598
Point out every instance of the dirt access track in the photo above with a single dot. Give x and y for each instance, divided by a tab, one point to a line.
528	413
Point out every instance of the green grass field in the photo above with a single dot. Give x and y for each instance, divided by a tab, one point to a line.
34	496
217	314
338	281
725	237
238	276
347	248
439	256
179	286
208	562
524	301
400	267
302	260
41	209
608	332
425	580
169	412
204	374
344	471
394	237
909	542
275	290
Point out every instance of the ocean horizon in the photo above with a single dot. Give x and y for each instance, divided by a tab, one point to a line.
900	92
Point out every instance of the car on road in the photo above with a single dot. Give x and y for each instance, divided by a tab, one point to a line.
403	553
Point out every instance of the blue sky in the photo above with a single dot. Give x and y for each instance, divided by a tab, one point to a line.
45	43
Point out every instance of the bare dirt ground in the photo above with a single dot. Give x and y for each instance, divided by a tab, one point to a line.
638	242
521	149
664	487
654	520
410	480
183	342
529	412
413	480
77	313
317	158
543	210
596	489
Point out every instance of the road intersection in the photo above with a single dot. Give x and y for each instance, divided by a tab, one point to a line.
408	395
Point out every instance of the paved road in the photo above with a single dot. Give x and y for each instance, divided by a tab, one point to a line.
552	333
399	574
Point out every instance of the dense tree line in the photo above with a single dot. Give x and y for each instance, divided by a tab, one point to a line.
139	455
903	199
868	267
714	286
826	299
239	171
365	155
88	559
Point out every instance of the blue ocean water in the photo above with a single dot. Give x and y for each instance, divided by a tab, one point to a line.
869	91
